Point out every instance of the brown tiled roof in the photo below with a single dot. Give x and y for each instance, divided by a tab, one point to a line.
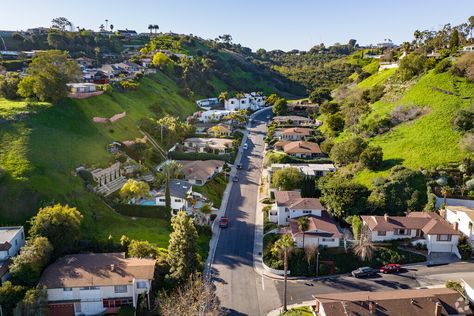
291	118
318	225
293	199
297	131
429	223
302	147
96	269
5	246
200	169
419	302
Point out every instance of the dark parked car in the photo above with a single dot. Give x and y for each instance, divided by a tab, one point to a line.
390	268
235	179
239	166
363	272
224	222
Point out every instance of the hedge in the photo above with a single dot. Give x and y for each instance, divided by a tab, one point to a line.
149	211
178	155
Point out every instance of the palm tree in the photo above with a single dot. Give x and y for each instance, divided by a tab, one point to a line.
283	247
150	27
223	96
111	28
445	191
303	225
417	36
364	248
101	28
406	47
156	27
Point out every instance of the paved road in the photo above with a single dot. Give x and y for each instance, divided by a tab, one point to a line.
238	286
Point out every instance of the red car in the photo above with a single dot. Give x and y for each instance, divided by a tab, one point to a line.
390	268
224	222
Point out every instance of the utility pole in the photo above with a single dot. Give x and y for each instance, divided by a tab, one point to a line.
317	264
106	24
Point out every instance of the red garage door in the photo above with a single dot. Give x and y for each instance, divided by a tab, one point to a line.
61	310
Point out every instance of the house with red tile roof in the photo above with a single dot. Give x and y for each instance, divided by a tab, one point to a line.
419	302
299	149
322	231
425	228
293	133
290	204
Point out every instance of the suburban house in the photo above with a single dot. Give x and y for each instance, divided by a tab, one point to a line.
211	102
210	115
290	204
293	133
426	228
322	231
11	240
201	128
293	120
201	145
220	129
308	169
301	108
198	172
462	218
85	62
467	49
128	33
96	283
97	77
179	191
299	149
253	101
82	87
419	302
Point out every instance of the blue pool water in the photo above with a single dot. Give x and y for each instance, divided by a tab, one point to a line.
147	202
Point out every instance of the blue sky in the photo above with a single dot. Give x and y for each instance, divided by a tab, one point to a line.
269	24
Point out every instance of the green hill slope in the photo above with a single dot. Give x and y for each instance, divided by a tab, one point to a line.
430	140
39	155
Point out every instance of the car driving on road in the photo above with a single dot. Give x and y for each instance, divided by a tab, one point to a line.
224	222
246	146
239	166
390	268
235	179
363	272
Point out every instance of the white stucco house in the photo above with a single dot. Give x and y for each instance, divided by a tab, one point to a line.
96	283
179	191
290	204
462	219
252	101
202	145
11	240
322	231
211	115
426	228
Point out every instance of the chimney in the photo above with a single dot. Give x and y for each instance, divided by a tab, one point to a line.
112	267
371	307
455	225
437	309
385	216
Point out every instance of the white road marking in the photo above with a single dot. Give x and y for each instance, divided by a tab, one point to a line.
263	283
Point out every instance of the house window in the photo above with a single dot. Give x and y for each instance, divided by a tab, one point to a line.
443	238
470	225
319	173
381	233
162	200
328	239
77	307
401	232
307	212
286	210
141	285
89	288
177	200
120	289
67	289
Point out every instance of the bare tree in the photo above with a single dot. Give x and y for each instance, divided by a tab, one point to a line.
194	297
310	252
365	248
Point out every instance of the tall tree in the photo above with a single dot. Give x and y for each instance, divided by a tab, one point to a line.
60	224
303	225
10	296
283	247
141	249
287	179
150	27
182	252
35	303
60	23
223	96
308	187
280	107
134	189
195	297
26	267
48	74
364	249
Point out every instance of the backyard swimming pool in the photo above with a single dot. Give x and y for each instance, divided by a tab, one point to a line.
147	202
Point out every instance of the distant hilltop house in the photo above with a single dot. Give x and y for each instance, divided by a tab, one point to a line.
468	49
128	33
386	44
211	102
11	240
96	283
388	65
294	120
252	101
422	227
210	115
83	90
85	62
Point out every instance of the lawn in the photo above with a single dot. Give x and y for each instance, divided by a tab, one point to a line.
430	140
213	190
10	109
299	311
40	152
377	78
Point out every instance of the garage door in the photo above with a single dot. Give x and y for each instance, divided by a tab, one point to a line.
61	310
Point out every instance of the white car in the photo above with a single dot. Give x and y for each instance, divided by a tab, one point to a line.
246	146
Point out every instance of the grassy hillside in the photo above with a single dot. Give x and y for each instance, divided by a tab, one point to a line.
377	78
39	155
430	140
